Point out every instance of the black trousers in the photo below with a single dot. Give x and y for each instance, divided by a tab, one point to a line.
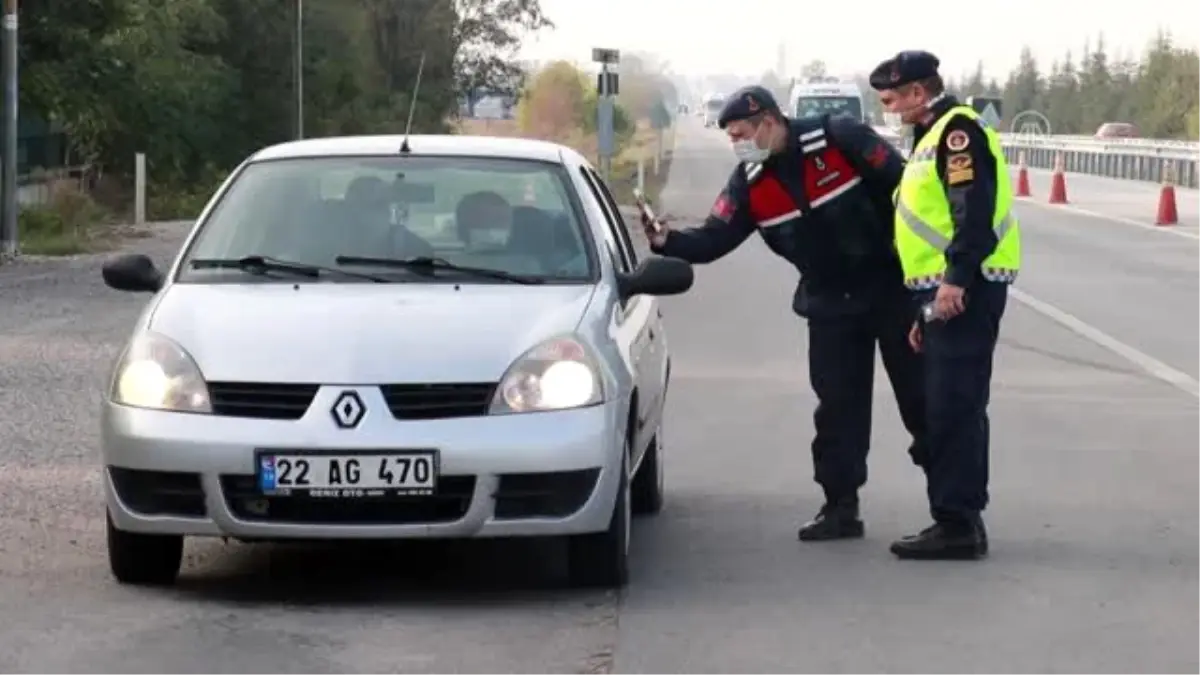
841	366
958	380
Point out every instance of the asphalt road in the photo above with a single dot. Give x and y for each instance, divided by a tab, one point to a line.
1093	524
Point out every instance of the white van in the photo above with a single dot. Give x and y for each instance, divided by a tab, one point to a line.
713	103
819	96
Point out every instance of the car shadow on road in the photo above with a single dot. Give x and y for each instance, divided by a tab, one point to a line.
436	573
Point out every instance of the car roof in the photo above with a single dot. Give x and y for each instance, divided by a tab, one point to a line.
441	145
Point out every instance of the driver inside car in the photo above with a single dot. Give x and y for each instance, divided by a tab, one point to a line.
369	206
485	221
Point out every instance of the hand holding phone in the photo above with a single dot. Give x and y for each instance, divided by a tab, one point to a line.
656	232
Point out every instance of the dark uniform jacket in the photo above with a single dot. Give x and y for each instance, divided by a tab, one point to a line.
825	205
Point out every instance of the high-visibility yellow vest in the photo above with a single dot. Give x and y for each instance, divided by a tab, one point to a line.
924	226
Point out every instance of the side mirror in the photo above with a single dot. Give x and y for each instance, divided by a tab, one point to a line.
132	272
657	276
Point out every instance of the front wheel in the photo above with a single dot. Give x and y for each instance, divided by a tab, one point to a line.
649	482
143	559
601	559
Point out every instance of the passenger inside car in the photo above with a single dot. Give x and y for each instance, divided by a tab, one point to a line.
526	238
484	221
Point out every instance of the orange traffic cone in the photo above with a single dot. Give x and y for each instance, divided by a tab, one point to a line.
1022	177
1168	214
1058	183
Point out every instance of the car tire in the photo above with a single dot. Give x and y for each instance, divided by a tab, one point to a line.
601	559
648	483
143	559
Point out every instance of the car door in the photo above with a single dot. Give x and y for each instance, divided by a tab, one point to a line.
638	320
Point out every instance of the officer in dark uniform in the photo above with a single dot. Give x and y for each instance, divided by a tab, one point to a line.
818	190
959	248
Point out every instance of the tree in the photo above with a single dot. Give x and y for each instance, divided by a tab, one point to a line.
975	85
814	68
485	41
1157	94
199	84
644	85
1025	87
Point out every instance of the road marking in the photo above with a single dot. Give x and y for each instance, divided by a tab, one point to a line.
1166	229
1152	366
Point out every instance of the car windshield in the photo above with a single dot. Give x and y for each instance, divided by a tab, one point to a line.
509	215
809	106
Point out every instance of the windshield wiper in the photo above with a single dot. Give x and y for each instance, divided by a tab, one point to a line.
261	265
428	264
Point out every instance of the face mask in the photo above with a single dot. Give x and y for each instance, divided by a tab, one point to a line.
895	120
747	149
490	237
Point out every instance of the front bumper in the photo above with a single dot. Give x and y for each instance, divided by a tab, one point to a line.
530	474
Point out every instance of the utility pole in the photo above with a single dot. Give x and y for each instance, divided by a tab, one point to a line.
8	203
606	90
298	68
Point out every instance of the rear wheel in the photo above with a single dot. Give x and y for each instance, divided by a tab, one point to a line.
648	483
601	559
143	559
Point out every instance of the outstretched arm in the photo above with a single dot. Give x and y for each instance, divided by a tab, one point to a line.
728	224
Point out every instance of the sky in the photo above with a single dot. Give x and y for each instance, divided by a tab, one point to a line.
743	37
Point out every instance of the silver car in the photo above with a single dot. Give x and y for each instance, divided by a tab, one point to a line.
381	338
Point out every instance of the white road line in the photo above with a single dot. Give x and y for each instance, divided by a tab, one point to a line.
1147	363
1166	229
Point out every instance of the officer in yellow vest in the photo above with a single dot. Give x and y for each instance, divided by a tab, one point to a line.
960	248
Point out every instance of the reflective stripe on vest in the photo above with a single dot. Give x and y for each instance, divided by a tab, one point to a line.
924	224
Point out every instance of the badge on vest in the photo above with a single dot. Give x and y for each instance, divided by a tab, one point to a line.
959	168
957	140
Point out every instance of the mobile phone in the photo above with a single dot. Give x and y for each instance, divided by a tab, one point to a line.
640	198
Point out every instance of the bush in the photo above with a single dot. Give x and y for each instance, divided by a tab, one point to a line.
182	201
64	224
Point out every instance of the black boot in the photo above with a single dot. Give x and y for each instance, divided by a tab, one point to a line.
944	541
838	519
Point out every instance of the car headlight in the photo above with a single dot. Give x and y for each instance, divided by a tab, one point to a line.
156	373
555	375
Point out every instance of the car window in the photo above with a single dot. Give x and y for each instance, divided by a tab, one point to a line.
622	230
512	215
611	219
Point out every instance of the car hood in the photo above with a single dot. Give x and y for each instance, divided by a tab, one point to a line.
354	334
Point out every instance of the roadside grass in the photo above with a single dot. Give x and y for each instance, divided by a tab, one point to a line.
66	222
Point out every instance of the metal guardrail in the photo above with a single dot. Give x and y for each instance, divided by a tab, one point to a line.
1141	159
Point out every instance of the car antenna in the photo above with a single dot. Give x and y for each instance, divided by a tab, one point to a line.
412	106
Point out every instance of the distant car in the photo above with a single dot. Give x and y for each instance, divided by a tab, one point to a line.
1117	130
328	359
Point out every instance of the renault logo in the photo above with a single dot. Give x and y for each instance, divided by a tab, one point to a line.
348	410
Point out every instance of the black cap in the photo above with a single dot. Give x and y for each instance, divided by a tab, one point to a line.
903	68
745	103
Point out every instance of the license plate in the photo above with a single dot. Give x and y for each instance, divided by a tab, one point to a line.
347	474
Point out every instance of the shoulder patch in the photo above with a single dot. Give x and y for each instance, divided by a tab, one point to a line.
723	208
960	176
877	156
959	161
957	140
